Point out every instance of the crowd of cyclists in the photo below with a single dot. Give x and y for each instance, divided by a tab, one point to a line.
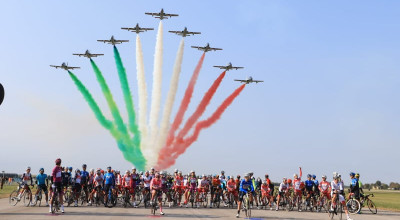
158	188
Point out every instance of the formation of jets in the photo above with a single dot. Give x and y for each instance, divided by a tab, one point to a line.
65	67
88	54
113	41
185	32
137	29
206	48
229	67
248	80
160	15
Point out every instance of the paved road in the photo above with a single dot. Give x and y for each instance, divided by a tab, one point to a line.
31	213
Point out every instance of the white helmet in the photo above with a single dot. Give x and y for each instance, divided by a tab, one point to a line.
133	168
28	168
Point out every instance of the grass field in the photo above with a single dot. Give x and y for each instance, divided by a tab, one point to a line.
5	192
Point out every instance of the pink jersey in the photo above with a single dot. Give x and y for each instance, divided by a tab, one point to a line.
156	183
56	174
324	186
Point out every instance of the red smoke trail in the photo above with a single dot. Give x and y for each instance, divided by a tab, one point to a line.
183	144
201	107
183	107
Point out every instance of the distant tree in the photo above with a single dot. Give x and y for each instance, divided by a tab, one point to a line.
395	186
378	183
367	186
384	186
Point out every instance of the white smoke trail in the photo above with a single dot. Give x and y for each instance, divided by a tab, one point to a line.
155	96
142	91
162	133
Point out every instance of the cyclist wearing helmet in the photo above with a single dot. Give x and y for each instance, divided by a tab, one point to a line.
127	184
191	186
337	187
109	183
253	179
324	188
42	183
231	189
297	185
155	187
283	191
316	184
85	180
237	181
215	188
98	182
360	185
57	184
266	194
203	186
146	181
246	186
77	187
66	177
222	176
354	186
178	186
90	181
309	185
26	181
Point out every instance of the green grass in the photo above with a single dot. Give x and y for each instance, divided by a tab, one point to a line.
5	192
385	199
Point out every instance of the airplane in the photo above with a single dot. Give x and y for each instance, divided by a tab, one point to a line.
113	41
65	67
248	80
161	15
184	33
206	48
137	29
88	54
229	67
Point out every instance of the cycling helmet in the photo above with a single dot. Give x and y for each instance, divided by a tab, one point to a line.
84	165
176	170
161	172
289	181
246	175
314	176
222	172
147	172
294	175
77	171
204	175
228	177
192	171
109	167
92	170
308	175
264	182
157	175
127	171
41	169
352	174
284	179
238	176
324	176
28	168
180	172
133	168
251	173
357	175
58	161
266	175
152	168
70	168
102	171
141	172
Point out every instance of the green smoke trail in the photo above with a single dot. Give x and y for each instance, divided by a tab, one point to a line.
127	94
92	103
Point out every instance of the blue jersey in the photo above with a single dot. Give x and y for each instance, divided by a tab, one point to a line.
41	178
84	176
109	179
246	186
309	184
316	183
354	186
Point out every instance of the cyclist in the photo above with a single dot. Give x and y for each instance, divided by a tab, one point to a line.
283	190
360	185
354	186
253	179
109	183
231	189
203	187
43	182
128	185
178	186
337	189
246	186
191	186
90	181
215	188
26	181
309	185
77	187
85	180
146	181
270	185
266	194
98	182
57	184
316	184
237	181
152	172
135	182
155	187
66	178
324	188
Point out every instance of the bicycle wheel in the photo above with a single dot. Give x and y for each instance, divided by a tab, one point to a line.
372	207
353	206
248	213
25	197
13	200
340	211
205	201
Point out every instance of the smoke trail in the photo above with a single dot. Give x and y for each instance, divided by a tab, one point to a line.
162	135
156	91
127	96
185	102
183	144
109	98
92	103
201	107
142	91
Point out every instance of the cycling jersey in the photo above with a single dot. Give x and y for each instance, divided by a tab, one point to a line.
84	176
78	178
118	180
283	187
41	178
91	178
146	180
324	186
354	185
98	180
109	179
27	177
178	181
246	186
192	182
155	184
309	184
231	185
56	174
297	182
265	189
127	180
203	183
216	182
338	187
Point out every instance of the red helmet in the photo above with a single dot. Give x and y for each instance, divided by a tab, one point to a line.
58	161
289	181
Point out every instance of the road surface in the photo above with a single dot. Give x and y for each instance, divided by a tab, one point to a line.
76	213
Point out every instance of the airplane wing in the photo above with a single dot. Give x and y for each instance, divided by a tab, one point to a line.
152	14
237	68
241	80
147	29
171	15
104	41
257	81
72	67
96	55
200	48
124	28
175	32
215	49
55	66
121	41
77	54
194	32
221	67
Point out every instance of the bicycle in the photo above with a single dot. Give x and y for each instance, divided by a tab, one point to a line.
111	198
192	196
203	199
353	205
16	195
72	196
337	209
38	196
323	203
371	205
154	201
138	195
126	198
230	199
55	204
246	205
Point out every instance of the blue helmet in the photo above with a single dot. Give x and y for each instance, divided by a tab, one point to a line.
69	168
352	174
41	169
314	176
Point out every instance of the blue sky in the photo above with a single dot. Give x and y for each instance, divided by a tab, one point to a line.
329	101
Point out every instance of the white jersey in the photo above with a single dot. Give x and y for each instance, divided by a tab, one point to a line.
146	180
26	177
283	187
203	183
337	186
